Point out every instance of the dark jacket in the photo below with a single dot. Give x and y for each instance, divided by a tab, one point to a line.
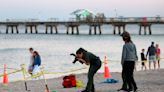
151	51
37	60
143	57
91	58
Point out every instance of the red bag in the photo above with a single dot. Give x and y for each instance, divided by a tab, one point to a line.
69	81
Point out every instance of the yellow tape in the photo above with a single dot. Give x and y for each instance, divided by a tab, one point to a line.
64	72
10	73
25	73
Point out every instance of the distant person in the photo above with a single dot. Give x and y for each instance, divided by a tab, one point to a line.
30	67
152	55
95	63
158	52
143	60
37	62
129	56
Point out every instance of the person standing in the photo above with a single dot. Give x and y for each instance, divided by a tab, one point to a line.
158	52
30	67
152	55
95	63
37	62
129	57
143	60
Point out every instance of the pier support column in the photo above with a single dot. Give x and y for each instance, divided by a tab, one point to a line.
51	29
140	30
46	29
31	29
90	30
144	30
119	30
12	29
95	29
150	30
36	31
26	30
56	29
77	29
17	29
114	29
72	30
67	29
100	30
7	29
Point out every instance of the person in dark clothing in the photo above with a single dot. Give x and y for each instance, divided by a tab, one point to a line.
129	56
95	63
152	55
143	60
37	62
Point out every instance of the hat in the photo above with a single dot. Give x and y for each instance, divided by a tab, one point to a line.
125	34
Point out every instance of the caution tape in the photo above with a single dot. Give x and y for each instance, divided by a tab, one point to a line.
11	73
25	73
65	71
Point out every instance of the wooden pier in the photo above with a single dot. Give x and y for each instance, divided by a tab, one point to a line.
51	27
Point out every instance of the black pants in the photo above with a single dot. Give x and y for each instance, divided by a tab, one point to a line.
127	75
92	70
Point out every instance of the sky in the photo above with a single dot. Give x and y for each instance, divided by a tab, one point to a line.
45	9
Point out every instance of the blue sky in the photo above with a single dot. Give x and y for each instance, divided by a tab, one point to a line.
44	9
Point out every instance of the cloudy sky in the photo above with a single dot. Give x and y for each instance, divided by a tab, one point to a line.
44	9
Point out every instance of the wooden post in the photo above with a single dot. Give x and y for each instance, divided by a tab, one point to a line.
90	30
26	29
36	31
12	29
100	30
51	28
67	29
77	29
17	29
56	29
72	29
140	30
95	30
119	29
150	30
144	30
46	29
31	29
7	29
114	29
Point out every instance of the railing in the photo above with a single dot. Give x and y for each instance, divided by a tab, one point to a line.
112	19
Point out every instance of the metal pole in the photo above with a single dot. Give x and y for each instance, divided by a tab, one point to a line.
23	71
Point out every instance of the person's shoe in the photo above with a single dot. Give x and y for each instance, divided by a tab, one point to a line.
93	90
136	90
122	89
129	90
86	91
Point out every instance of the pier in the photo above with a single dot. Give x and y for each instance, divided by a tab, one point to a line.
95	25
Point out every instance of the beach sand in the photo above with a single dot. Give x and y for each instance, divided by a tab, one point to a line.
147	81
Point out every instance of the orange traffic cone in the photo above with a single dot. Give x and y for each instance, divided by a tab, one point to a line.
106	69
46	90
5	76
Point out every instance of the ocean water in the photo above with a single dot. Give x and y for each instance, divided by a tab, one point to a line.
55	49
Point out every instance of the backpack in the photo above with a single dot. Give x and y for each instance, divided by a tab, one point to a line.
69	81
